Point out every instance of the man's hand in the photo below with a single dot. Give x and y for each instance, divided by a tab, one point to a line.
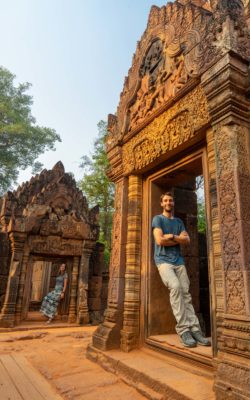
182	238
163	240
168	236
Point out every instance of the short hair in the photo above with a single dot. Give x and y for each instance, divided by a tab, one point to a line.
166	194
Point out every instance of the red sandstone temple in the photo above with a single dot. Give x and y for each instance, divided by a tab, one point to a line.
183	116
44	223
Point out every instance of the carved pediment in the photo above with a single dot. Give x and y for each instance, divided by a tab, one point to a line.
50	204
181	41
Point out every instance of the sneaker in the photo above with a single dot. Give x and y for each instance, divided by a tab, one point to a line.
187	339
200	339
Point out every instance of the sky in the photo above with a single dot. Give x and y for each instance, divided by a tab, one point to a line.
75	53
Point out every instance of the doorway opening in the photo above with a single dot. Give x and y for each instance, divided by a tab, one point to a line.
185	180
40	280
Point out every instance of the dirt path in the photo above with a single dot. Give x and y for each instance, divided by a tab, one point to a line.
59	354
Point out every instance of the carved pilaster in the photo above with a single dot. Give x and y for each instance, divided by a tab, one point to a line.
216	267
73	291
107	335
7	316
24	265
82	306
131	319
229	115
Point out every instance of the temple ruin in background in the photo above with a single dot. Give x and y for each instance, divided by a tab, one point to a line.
44	223
184	114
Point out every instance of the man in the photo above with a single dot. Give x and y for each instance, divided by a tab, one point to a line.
169	233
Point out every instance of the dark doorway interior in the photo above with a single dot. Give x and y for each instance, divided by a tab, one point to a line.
42	280
187	185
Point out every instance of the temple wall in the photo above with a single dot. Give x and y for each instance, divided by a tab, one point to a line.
5	255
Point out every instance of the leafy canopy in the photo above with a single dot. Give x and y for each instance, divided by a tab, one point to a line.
96	185
21	140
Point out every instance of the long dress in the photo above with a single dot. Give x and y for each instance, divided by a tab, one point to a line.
51	300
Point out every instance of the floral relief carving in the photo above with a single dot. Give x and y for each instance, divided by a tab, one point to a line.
116	243
171	129
231	145
235	292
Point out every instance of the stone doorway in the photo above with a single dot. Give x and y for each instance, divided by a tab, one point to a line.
186	179
40	280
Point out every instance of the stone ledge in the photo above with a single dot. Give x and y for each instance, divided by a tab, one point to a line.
153	375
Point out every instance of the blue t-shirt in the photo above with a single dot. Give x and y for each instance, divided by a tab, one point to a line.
168	254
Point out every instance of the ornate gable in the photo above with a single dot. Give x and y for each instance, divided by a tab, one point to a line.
181	41
50	204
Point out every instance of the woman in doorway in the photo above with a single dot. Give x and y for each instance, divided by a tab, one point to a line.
52	299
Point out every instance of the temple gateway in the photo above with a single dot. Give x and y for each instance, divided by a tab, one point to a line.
44	223
183	118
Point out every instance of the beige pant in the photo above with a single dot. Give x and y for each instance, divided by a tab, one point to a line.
176	279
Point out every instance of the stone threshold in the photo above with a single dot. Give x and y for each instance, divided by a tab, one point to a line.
38	326
156	376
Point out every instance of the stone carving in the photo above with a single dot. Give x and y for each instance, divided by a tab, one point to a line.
131	319
235	292
116	243
171	129
107	335
163	72
181	41
231	142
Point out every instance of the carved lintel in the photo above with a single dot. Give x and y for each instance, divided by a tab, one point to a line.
172	130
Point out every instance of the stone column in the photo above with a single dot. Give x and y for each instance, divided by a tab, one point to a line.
217	290
24	265
73	290
226	86
107	335
83	283
7	316
131	318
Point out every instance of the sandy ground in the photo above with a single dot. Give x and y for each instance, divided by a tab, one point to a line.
60	355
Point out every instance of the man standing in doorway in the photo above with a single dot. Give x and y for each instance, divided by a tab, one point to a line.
169	233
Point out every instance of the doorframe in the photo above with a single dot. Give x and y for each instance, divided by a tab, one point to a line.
146	252
28	278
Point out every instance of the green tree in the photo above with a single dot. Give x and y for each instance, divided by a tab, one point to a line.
201	218
21	140
97	187
201	215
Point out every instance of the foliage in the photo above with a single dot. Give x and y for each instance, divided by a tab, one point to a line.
21	140
201	218
201	204
97	187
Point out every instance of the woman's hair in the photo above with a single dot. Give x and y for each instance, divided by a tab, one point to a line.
59	269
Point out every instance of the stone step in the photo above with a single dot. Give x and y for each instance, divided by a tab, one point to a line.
156	376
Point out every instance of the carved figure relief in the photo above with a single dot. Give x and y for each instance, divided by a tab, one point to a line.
181	41
162	74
